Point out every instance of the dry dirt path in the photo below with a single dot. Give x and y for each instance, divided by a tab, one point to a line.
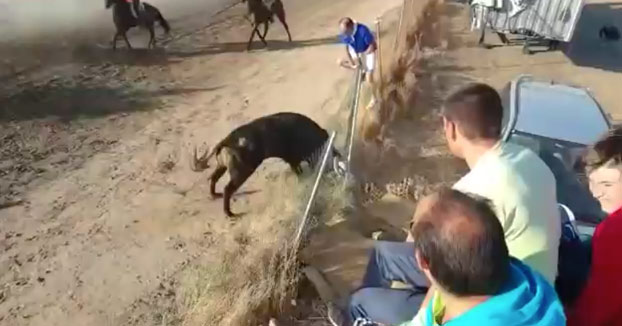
96	237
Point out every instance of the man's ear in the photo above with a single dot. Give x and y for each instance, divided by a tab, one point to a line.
451	129
421	261
424	266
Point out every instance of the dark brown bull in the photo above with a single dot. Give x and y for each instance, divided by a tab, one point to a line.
263	12
291	137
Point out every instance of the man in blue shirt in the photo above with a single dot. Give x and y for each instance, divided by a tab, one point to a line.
360	48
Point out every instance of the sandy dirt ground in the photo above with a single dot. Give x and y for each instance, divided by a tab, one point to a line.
96	146
97	149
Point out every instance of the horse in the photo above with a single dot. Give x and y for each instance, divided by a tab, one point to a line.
124	19
263	12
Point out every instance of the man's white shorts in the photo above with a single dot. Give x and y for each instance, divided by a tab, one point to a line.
368	60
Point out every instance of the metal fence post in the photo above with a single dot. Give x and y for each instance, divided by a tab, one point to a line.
316	185
353	117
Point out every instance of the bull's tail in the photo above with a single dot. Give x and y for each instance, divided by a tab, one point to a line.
199	164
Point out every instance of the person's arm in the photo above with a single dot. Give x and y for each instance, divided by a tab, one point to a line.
352	60
349	63
372	47
371	40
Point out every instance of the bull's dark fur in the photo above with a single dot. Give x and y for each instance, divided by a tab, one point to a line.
291	137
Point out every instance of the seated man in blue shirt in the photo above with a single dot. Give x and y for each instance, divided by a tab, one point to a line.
460	247
360	48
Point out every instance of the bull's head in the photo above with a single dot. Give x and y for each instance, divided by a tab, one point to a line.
199	164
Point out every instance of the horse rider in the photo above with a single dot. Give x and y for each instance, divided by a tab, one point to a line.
136	8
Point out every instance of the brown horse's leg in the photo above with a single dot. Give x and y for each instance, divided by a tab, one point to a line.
281	17
265	30
250	41
152	41
263	40
127	42
114	40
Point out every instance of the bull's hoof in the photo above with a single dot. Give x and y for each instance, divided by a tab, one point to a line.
216	195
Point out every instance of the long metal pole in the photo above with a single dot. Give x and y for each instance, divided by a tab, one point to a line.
355	110
316	185
379	50
399	26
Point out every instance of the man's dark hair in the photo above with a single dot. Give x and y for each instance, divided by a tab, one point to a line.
462	241
477	110
347	22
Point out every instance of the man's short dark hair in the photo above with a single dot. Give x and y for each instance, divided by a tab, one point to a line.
477	110
347	22
461	239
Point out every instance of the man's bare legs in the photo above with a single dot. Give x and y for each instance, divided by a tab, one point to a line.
369	78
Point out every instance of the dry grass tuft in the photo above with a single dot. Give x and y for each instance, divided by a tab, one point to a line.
398	87
254	274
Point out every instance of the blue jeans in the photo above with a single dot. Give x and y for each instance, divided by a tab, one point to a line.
375	299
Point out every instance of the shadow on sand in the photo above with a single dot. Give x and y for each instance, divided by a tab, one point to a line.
161	56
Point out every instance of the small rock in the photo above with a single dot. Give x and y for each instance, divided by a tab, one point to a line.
40	279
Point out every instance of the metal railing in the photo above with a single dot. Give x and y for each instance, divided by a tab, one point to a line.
353	118
314	190
358	77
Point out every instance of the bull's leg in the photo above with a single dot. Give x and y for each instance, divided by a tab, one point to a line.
216	175
237	176
281	17
295	166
